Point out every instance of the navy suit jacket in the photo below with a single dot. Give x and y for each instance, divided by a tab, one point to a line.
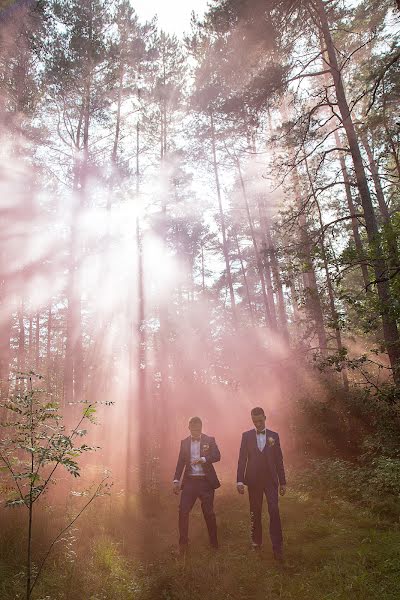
255	467
208	449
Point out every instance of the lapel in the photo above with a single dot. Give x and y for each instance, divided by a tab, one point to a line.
202	442
188	441
254	437
266	447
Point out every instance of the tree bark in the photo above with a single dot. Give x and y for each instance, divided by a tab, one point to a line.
37	342
391	237
271	253
269	307
352	210
21	339
246	283
295	306
310	288
390	331
223	227
5	351
311	292
331	294
138	341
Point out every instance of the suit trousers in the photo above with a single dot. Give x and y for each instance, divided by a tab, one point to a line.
197	488
256	494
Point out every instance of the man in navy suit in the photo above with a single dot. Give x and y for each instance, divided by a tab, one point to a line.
260	467
197	454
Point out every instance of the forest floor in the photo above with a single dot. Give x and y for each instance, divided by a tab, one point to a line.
334	550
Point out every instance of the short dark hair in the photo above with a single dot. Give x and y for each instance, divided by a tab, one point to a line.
195	421
257	410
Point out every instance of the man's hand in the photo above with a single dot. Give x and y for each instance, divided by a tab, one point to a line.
177	487
198	461
282	490
240	488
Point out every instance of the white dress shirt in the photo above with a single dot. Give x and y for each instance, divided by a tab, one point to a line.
261	440
195	470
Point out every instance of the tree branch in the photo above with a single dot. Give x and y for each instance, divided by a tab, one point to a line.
375	87
96	493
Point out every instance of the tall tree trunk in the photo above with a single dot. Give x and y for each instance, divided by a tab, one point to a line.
223	227
390	331
246	283
347	184
117	133
352	210
164	353
310	288
269	288
295	306
373	167
78	354
49	367
311	292
30	341
6	309
203	284
73	332
138	342
394	148
21	339
73	367
5	349
265	223
74	361
118	119
331	295
269	307
139	339
37	342
391	237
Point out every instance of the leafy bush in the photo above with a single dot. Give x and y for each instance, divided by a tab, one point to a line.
356	424
385	476
34	444
375	485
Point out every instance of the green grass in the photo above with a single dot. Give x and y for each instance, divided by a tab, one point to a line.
334	551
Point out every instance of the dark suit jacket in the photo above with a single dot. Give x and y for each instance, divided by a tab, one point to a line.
208	449
255	467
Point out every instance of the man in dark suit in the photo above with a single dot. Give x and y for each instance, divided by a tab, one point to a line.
260	467
197	454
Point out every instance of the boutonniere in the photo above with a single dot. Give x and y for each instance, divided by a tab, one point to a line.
271	441
206	447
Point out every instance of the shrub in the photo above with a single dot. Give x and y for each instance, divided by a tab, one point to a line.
375	485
